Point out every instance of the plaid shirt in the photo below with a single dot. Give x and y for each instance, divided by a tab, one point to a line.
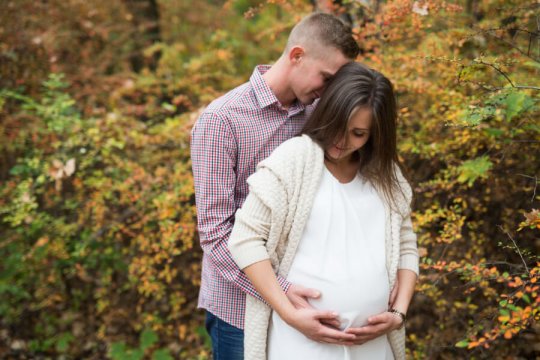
234	133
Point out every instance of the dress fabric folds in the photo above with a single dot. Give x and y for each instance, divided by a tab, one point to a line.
342	254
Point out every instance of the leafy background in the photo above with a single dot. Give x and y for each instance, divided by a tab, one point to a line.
99	249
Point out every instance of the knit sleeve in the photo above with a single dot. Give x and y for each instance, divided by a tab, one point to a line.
408	255
408	251
250	231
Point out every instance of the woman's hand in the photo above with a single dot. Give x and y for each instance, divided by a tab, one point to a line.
378	325
310	322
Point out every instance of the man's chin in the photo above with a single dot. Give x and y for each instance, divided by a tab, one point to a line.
308	101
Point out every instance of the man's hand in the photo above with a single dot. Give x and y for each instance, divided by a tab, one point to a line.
299	296
378	325
309	322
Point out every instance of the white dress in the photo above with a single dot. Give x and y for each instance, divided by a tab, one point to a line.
341	254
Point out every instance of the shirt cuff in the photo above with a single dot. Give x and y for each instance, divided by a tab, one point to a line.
285	285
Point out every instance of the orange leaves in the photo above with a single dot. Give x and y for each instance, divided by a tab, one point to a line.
517	282
518	306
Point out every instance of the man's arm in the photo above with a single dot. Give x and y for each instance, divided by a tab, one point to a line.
214	155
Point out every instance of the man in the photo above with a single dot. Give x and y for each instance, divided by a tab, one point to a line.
236	132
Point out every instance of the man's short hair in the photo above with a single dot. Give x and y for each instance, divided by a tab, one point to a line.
323	30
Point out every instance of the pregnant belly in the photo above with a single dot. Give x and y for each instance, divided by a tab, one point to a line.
355	297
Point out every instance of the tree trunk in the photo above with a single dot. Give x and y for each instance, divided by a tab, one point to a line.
146	18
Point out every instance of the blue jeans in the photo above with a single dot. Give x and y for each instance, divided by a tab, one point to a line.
227	340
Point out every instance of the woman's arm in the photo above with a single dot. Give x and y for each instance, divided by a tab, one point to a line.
407	282
408	263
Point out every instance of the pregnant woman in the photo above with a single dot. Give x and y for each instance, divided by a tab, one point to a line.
330	210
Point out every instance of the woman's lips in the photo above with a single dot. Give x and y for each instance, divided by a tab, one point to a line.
340	148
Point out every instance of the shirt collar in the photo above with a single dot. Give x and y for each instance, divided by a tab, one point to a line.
265	96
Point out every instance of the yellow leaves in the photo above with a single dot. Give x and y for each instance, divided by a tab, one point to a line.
167	274
451	219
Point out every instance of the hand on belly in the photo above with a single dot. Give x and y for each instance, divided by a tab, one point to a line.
354	301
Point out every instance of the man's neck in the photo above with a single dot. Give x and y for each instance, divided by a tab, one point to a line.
277	79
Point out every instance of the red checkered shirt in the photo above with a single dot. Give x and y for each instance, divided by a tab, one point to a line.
234	133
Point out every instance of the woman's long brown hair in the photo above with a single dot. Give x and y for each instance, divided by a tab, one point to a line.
356	86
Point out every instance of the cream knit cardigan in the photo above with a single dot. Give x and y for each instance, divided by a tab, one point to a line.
271	222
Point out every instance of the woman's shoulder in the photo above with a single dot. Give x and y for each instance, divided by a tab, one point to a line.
279	170
297	143
291	150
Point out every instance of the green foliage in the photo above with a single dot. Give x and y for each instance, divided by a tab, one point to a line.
94	215
471	170
517	103
119	350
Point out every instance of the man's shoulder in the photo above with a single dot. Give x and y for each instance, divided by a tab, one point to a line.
221	111
241	96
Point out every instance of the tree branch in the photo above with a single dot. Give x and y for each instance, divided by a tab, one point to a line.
481	62
517	248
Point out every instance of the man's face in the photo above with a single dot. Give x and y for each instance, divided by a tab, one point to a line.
310	75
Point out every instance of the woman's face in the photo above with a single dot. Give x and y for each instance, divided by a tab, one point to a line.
357	136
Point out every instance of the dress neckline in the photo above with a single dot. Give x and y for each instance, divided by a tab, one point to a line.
335	179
